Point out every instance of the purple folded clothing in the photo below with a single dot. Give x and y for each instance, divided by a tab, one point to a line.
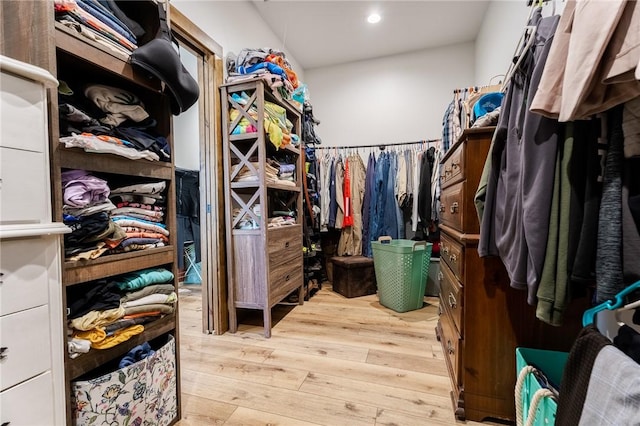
82	189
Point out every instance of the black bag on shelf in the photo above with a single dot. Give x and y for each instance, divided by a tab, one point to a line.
159	58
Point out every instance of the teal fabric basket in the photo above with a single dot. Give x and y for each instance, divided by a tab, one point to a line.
401	267
551	364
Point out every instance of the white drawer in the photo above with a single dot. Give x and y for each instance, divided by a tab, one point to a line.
23	114
25	335
24	187
24	273
29	404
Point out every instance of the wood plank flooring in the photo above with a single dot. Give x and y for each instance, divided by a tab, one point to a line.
332	361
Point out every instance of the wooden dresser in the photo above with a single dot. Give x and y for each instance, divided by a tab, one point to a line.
483	319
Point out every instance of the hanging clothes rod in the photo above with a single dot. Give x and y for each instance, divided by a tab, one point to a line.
381	146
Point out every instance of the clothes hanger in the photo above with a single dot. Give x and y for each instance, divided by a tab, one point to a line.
616	303
526	37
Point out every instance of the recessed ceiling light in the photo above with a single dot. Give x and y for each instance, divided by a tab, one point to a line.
374	18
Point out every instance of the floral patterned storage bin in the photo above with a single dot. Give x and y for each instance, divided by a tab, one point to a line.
141	394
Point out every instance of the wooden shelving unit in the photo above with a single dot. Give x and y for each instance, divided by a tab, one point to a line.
90	62
275	269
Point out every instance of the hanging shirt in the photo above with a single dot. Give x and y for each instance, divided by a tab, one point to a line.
348	213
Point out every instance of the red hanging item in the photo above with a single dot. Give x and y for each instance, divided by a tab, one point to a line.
348	214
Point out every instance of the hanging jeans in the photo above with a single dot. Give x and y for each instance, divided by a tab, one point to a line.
390	214
366	205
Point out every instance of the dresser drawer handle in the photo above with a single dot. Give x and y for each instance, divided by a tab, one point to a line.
452	301
450	347
454	207
2	352
455	164
286	278
453	258
442	208
1	277
286	245
445	249
440	276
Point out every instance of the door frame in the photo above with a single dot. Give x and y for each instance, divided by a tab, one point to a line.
215	317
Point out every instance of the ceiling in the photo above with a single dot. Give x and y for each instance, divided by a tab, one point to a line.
323	33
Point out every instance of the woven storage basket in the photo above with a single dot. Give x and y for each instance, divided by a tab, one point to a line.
401	267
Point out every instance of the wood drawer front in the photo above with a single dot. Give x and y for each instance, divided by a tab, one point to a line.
24	193
450	345
283	278
30	403
452	206
285	243
453	254
23	285
23	118
451	296
25	334
452	170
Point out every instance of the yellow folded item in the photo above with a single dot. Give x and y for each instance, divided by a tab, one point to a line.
95	319
118	337
94	336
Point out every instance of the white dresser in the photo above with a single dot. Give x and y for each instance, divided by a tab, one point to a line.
31	330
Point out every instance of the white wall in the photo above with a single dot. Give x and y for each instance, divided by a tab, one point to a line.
398	98
234	25
186	128
501	29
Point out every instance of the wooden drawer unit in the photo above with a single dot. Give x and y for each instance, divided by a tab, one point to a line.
284	243
283	279
24	193
453	169
452	252
452	205
482	318
23	102
29	403
24	334
451	344
451	296
24	285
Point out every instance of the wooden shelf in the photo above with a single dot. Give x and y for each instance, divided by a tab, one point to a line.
76	158
292	149
83	364
244	137
101	56
281	228
246	232
115	264
283	187
251	137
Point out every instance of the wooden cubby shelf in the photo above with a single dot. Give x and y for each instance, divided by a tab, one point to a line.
83	364
75	158
115	264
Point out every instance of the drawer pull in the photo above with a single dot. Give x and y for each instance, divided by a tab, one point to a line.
450	347
442	208
1	277
452	301
445	249
2	352
454	207
286	245
453	258
455	164
286	278
440	276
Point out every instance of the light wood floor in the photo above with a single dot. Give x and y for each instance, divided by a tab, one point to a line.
332	361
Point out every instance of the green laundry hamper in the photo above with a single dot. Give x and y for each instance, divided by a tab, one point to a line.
551	364
401	268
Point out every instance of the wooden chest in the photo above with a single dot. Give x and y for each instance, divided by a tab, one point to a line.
482	319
